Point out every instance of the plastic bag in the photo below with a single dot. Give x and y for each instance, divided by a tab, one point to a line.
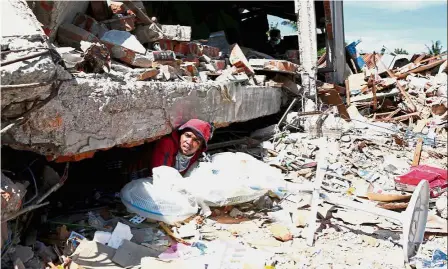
159	201
232	178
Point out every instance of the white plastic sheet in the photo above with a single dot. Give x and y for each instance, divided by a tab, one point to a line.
163	200
233	178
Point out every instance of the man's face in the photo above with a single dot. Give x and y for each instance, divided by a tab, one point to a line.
189	143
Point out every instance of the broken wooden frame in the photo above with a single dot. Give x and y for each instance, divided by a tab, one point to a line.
413	219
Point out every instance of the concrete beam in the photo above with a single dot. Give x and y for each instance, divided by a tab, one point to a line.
306	22
93	112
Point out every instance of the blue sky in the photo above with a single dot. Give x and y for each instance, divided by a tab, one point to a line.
395	24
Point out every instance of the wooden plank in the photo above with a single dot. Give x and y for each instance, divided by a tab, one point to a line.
407	98
432	58
369	97
393	113
421	68
418	152
375	101
392	75
322	166
288	84
419	58
347	92
406	117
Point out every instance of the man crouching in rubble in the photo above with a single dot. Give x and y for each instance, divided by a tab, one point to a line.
183	147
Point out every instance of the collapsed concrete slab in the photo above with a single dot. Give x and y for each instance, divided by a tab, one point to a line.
26	61
93	112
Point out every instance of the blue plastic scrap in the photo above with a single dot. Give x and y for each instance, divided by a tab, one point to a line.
439	260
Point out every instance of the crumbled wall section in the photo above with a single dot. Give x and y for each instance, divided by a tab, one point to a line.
97	112
22	36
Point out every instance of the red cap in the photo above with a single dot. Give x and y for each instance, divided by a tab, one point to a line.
201	128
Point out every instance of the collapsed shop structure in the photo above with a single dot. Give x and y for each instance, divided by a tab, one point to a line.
70	115
79	85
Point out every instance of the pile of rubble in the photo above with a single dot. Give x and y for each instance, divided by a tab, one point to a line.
351	171
161	52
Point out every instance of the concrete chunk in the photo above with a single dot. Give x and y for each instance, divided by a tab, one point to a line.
92	112
123	39
176	32
125	47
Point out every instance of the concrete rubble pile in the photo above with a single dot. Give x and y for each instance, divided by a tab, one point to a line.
87	57
353	158
156	51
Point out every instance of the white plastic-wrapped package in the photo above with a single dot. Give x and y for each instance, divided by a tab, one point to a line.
233	178
158	201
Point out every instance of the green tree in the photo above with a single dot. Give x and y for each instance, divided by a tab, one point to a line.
321	52
292	24
400	51
435	49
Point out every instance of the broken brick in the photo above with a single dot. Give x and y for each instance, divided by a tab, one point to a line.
72	35
192	69
166	44
158	56
279	65
193	60
219	64
238	59
133	53
151	73
211	51
181	48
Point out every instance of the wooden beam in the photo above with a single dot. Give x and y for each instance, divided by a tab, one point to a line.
418	152
347	92
407	98
375	101
421	68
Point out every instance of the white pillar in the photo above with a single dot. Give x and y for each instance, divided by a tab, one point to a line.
306	25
